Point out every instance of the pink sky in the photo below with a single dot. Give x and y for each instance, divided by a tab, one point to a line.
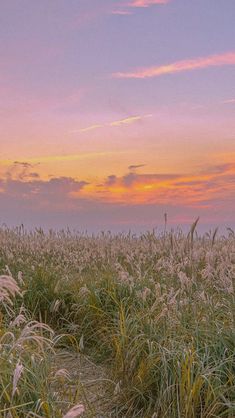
113	113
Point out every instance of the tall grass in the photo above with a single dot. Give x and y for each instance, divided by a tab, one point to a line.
157	311
27	375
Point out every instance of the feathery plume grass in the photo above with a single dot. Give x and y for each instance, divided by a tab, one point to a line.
75	412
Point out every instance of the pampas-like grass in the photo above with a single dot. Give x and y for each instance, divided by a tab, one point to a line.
156	313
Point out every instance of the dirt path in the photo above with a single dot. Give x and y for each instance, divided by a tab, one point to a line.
86	383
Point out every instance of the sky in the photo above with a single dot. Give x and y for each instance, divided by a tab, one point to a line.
113	113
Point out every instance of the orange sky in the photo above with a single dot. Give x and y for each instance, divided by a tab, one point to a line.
113	113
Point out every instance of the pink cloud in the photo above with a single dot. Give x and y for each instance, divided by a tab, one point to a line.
121	12
124	8
147	3
229	101
218	60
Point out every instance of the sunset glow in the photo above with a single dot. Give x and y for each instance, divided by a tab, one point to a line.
114	113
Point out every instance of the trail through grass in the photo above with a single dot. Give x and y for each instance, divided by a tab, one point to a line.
148	324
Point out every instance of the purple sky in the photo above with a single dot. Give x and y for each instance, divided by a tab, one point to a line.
115	112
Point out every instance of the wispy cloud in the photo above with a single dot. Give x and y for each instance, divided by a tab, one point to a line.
126	121
125	9
147	3
61	158
230	101
135	166
22	171
218	60
121	12
89	128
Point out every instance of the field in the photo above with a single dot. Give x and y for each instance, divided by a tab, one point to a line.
117	325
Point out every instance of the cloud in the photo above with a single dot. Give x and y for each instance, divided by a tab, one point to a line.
147	3
125	8
21	170
164	188
62	158
121	12
180	66
221	169
134	167
119	200
229	101
89	128
23	164
149	180
111	180
41	193
126	121
129	179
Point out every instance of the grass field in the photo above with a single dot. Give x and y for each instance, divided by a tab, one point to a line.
149	319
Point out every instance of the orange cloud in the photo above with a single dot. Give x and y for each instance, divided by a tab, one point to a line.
180	66
196	189
87	203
